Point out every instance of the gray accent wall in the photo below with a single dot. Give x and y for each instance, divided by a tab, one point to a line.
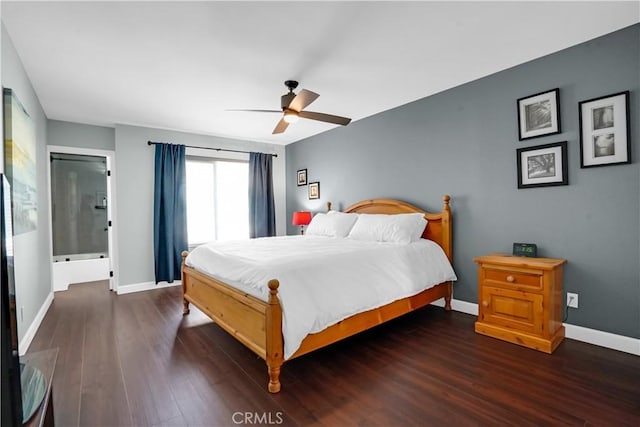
32	269
463	142
69	134
134	183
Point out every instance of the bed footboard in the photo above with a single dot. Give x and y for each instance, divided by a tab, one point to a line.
185	302
275	342
255	323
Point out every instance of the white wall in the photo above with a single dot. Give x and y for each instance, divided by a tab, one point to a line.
134	180
32	270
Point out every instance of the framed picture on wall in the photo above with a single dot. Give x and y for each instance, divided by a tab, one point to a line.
604	131
314	190
302	177
542	165
20	163
539	115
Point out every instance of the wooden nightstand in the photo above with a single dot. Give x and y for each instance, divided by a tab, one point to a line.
520	300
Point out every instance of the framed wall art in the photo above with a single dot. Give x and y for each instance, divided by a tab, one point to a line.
314	190
604	131
542	165
539	114
302	177
20	163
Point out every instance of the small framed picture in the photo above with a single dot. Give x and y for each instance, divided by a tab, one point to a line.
539	115
314	190
605	138
302	177
542	165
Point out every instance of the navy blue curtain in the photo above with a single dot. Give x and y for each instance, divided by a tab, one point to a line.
262	210
169	211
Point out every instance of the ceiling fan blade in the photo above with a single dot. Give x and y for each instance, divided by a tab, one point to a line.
329	118
258	111
280	127
302	99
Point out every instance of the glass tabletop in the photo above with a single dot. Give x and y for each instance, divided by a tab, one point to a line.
34	387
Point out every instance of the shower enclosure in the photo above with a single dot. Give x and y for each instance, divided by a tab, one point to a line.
80	218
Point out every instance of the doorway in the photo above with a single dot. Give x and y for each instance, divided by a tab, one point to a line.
80	194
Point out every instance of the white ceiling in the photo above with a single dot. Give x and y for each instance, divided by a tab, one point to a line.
181	65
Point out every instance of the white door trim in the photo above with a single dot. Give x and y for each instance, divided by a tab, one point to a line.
111	204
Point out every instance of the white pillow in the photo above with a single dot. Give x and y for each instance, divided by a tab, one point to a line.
336	224
399	228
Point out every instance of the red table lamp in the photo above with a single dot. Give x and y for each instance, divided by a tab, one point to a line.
301	219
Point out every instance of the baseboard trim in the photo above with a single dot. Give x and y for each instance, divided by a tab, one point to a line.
25	342
574	332
603	339
461	306
145	286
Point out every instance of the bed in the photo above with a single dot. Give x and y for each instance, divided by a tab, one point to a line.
257	322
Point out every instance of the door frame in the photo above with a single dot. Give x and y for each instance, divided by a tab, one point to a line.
111	205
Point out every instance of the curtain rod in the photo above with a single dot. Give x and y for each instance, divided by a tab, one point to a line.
210	148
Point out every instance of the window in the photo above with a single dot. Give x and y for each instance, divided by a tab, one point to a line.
217	200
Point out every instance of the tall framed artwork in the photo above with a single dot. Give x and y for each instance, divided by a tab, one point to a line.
20	163
301	177
604	131
314	190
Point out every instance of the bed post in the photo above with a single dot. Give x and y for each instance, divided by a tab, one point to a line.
275	343
185	303
447	244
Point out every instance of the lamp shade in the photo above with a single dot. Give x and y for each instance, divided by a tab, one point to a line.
301	218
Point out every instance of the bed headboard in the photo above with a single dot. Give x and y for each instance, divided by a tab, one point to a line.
439	226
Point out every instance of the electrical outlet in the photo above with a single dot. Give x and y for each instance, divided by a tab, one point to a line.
22	313
572	300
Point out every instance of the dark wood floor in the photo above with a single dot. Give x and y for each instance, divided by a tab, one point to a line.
135	360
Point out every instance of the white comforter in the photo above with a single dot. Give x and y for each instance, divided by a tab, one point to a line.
323	280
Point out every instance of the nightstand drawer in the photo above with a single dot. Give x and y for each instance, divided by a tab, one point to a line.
510	278
512	309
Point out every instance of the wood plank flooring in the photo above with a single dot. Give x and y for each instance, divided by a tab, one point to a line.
135	360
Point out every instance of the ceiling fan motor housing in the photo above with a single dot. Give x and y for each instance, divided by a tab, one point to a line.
285	100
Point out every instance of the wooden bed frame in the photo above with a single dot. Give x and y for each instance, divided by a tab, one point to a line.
258	324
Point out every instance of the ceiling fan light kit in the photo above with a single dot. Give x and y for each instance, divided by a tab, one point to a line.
293	106
290	116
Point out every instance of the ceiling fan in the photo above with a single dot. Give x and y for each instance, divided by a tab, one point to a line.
293	105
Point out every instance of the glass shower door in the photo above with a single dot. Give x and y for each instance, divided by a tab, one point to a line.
79	207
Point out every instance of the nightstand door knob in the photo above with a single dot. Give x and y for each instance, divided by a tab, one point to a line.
485	303
511	279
